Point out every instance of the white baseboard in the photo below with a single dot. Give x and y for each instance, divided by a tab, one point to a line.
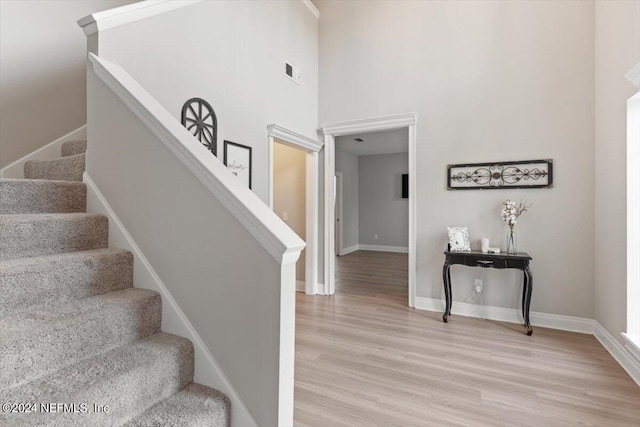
618	351
511	315
348	250
381	248
545	320
207	370
300	286
50	151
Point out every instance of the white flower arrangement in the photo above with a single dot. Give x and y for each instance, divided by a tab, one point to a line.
512	211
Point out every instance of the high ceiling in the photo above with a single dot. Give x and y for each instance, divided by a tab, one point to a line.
385	142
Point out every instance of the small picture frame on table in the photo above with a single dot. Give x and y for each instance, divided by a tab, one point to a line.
237	158
459	239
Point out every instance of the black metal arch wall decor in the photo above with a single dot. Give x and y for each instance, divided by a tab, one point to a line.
497	175
201	121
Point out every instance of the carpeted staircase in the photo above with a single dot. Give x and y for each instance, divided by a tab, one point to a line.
73	329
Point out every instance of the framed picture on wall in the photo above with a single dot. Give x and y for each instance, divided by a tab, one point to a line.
237	158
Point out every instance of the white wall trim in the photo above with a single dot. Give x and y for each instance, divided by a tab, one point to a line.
618	351
15	170
295	139
634	75
633	345
300	286
265	226
348	250
331	131
373	124
511	315
117	16
383	248
207	372
312	7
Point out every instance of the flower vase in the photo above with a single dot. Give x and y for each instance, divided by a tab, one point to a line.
512	241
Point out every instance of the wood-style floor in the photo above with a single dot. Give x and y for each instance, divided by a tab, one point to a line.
363	358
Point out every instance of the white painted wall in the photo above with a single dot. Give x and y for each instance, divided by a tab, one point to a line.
490	81
617	50
42	72
347	163
289	192
383	211
232	54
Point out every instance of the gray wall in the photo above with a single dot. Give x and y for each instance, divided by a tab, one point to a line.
382	209
235	60
347	163
289	193
490	81
42	72
617	50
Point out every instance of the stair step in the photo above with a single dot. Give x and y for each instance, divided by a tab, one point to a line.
34	283
61	169
32	235
194	405
71	148
39	342
22	196
130	379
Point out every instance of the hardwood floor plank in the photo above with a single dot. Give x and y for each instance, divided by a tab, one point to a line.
363	358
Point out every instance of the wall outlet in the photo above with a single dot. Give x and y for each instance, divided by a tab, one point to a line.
375	237
285	216
478	285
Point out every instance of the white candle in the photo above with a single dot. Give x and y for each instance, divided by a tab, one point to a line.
485	245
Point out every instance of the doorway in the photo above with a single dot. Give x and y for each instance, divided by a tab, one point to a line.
331	132
310	148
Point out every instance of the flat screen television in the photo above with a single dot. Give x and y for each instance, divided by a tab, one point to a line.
405	186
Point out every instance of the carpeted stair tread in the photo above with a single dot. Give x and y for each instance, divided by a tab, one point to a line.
31	235
71	148
194	406
22	196
130	379
61	169
38	342
34	283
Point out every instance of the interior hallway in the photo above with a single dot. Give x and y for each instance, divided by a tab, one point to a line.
363	358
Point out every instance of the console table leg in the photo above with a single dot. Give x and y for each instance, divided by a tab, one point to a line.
529	280
446	280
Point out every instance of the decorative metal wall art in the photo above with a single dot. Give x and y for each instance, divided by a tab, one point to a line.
201	121
496	175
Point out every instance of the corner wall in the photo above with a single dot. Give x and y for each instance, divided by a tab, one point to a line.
490	81
617	50
42	72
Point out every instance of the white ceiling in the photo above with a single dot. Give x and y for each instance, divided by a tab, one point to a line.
385	142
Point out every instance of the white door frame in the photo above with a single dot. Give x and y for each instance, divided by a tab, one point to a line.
311	147
331	131
339	202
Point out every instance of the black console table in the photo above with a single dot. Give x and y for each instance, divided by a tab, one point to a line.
519	260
